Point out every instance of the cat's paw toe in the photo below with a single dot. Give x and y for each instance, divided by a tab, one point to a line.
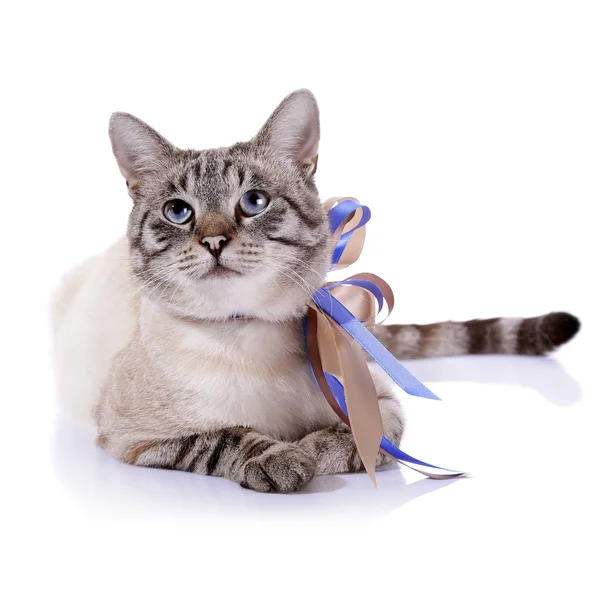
285	468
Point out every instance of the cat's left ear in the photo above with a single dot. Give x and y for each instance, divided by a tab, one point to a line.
293	130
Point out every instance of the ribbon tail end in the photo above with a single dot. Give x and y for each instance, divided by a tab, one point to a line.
423	392
371	473
444	476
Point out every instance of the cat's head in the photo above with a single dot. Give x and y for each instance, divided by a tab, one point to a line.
237	230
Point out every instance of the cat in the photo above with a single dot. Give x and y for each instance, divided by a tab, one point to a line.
145	335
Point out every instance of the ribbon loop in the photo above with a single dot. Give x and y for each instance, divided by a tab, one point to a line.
346	221
335	336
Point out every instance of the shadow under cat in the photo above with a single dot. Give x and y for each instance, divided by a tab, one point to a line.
542	374
103	484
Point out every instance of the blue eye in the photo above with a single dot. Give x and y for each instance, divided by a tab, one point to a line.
178	212
253	203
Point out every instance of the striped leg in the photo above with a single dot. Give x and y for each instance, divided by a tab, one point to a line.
241	454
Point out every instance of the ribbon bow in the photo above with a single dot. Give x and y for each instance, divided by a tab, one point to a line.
336	337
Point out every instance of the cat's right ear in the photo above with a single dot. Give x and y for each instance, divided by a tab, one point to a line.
138	148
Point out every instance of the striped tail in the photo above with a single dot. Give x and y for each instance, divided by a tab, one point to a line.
534	336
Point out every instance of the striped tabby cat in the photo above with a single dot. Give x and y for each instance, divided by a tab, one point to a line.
145	334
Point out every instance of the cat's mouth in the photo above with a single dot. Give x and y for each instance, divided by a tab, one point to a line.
220	271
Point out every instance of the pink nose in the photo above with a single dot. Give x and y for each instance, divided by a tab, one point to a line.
214	244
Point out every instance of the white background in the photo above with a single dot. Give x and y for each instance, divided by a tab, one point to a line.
472	129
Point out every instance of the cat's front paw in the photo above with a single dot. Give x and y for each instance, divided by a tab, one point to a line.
283	468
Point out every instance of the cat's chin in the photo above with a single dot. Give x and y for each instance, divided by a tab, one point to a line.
224	294
221	272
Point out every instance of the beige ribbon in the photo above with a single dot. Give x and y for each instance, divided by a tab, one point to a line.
332	350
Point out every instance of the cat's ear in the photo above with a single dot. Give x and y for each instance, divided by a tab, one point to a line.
139	149
293	130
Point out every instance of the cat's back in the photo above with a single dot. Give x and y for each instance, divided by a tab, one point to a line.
93	318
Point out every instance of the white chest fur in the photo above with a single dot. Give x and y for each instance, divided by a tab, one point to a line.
238	372
213	374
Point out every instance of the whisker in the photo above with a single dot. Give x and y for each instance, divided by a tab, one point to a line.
307	265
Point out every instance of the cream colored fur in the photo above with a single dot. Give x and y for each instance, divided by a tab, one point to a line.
227	373
94	317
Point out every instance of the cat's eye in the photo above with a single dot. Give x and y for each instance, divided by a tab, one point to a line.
253	203
178	212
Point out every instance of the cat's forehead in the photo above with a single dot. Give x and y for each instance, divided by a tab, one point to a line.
207	166
205	174
211	175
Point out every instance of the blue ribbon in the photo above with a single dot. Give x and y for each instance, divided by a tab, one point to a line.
337	215
341	315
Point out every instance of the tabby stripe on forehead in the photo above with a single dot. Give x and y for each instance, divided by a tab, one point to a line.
226	166
183	181
198	168
210	166
304	217
241	175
